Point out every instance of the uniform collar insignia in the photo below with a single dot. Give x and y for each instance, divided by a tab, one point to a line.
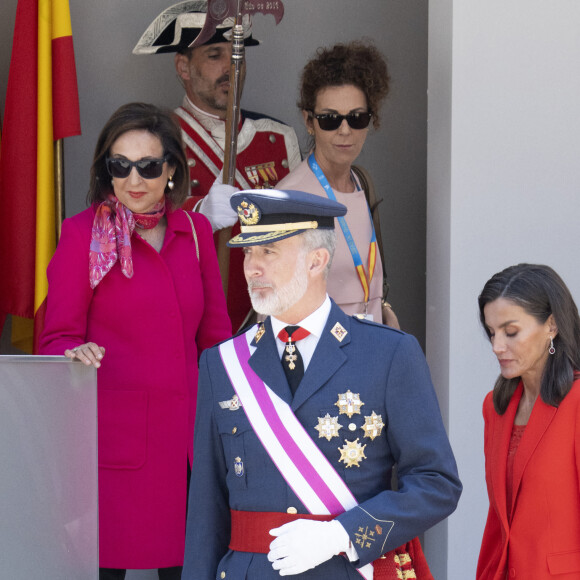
259	333
339	331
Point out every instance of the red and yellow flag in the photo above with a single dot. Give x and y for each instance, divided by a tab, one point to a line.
41	107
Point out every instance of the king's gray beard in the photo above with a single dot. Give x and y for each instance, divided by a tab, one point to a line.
281	299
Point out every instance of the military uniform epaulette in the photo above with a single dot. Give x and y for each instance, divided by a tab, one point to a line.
363	320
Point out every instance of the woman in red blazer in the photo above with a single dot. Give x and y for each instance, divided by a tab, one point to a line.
137	276
532	428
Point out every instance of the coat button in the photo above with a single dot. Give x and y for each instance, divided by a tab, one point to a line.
272	138
195	183
191	162
234	430
285	163
512	572
292	510
223	575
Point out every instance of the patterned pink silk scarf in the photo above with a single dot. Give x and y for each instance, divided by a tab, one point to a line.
111	236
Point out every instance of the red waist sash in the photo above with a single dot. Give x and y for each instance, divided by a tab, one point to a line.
250	534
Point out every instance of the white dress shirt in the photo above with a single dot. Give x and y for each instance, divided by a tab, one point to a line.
314	323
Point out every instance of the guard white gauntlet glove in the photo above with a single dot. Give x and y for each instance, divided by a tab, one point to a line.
215	206
304	544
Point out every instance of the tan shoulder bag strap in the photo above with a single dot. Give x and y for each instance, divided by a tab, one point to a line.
195	234
369	188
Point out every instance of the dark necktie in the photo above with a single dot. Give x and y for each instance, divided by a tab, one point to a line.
291	357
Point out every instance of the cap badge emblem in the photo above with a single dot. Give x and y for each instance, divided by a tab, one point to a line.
248	213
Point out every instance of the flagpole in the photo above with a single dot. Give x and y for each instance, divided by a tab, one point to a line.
59	185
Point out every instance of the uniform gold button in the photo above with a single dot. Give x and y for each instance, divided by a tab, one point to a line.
272	138
195	183
352	426
292	510
223	575
191	162
234	430
285	163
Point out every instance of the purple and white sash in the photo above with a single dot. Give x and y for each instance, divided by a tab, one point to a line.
300	461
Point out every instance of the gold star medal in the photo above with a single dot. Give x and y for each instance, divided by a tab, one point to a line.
349	403
373	426
328	427
352	453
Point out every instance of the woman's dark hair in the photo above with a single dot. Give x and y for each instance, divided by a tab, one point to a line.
540	292
140	117
356	63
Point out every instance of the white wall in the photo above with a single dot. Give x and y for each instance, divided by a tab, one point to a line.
503	188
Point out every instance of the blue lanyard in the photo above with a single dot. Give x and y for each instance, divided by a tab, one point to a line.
365	280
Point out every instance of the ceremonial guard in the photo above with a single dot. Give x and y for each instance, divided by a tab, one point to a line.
266	148
302	418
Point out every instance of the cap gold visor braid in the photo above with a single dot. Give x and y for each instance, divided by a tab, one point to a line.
279	227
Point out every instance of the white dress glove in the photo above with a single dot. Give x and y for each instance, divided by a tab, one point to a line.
215	206
304	544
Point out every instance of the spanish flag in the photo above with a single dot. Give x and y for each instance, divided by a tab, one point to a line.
41	107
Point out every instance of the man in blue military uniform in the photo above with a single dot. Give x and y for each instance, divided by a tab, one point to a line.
301	420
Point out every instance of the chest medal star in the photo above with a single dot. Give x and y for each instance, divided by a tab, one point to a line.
373	426
349	403
352	453
328	427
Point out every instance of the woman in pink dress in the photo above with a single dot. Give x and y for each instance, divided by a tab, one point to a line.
134	289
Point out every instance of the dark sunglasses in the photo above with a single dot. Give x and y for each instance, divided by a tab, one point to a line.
146	168
332	121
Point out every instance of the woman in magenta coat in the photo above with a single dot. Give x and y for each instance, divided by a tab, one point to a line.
532	428
134	289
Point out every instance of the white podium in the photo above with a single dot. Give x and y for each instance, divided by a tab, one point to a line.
48	469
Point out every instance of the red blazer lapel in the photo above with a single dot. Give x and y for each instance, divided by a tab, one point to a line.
501	440
540	420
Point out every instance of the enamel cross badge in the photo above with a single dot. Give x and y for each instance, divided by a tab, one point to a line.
328	427
349	403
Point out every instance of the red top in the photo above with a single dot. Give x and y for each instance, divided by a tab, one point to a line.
516	437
